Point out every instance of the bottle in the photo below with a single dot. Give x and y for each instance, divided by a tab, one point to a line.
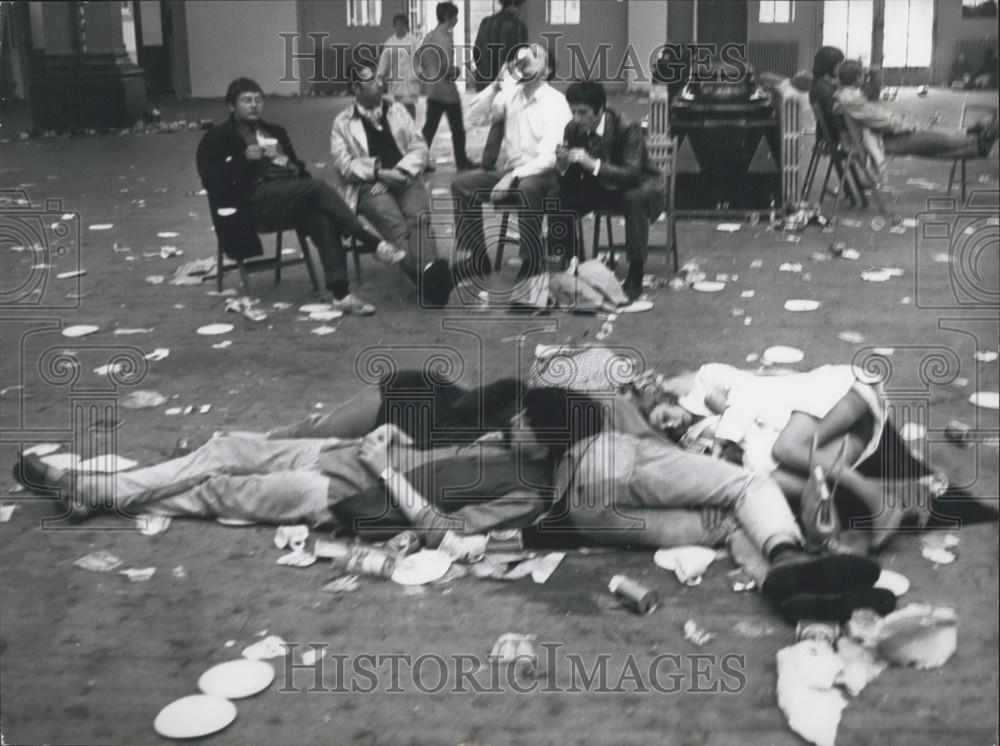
823	525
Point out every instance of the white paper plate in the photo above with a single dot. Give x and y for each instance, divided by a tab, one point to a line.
783	355
70	275
315	308
728	227
328	315
912	431
101	226
42	449
986	399
194	716
237	679
214	329
708	286
62	460
80	330
234	522
894	582
421	568
801	304
637	306
108	463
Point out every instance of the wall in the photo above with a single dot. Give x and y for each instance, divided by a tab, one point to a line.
647	31
806	28
227	39
953	29
601	22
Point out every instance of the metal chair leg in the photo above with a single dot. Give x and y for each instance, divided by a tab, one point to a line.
218	270
356	253
611	238
304	247
504	223
277	257
245	276
810	174
963	181
951	174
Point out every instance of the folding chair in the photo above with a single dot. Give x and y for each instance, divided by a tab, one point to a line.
978	113
856	158
828	145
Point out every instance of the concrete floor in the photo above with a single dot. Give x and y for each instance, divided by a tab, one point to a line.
91	658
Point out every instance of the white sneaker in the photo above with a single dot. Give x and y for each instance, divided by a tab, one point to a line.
353	305
386	253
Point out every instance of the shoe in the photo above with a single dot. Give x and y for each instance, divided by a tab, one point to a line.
837	607
633	289
833	573
467	166
353	305
386	253
436	284
182	448
32	473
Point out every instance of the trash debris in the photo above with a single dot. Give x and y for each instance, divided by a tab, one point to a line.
322	331
128	331
708	286
99	561
875	275
194	716
80	330
222	345
918	635
985	356
297	558
688	563
138	574
215	329
238	679
790	267
271	646
696	634
960	434
343	584
142	400
801	305
728	227
167	234
101	226
911	431
152	524
753	630
861	665
851	254
517	649
329	315
634	596
166	252
782	355
6	511
179	572
806	692
160	353
851	337
985	399
291	537
70	275
748	293
893	582
421	568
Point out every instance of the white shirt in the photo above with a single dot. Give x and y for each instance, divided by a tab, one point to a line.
533	129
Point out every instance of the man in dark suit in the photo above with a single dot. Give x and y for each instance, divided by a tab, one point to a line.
603	164
255	181
498	35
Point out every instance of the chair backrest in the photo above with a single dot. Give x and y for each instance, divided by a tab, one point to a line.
826	131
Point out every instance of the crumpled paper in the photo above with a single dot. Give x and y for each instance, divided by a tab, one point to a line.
271	646
807	695
688	563
515	648
294	537
918	635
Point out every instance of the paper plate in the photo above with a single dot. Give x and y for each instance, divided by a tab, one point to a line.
234	522
80	330
109	463
893	581
728	227
421	568
912	431
42	449
101	226
986	399
315	308
62	460
71	275
637	306
708	286
801	304
214	329
194	716
328	315
783	355
237	679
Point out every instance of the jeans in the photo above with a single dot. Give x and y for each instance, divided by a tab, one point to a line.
317	208
238	475
932	144
397	214
618	487
454	113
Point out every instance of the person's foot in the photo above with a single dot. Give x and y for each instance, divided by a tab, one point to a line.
353	305
466	166
32	473
795	573
182	448
632	288
837	607
386	253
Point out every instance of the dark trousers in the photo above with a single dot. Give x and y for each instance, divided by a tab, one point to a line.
454	113
637	205
528	198
317	208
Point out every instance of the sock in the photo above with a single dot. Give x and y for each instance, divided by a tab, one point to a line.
339	289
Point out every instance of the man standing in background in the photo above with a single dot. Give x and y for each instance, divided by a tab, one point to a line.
436	61
395	64
498	35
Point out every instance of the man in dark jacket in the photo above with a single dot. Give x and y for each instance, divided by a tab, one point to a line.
498	35
603	164
256	182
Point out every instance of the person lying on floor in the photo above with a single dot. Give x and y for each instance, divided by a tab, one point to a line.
782	426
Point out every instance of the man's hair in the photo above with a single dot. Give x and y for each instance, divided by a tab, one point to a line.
508	3
401	17
446	11
826	60
588	92
560	417
851	73
240	86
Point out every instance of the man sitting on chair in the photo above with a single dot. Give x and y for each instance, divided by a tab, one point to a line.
603	164
380	157
256	182
885	133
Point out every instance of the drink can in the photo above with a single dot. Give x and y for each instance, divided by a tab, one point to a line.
371	562
505	540
814	629
959	433
335	549
635	596
403	544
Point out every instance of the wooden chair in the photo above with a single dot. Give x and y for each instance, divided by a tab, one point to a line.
978	113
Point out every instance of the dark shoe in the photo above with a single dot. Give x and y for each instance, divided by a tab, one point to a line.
837	607
436	284
466	166
33	474
802	573
430	168
633	289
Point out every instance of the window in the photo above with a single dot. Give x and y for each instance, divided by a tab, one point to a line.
776	11
562	12
979	8
364	12
847	25
908	40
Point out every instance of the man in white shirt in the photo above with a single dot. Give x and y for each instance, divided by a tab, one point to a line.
534	117
395	64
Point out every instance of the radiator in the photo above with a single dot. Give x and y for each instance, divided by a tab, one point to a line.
975	51
781	57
